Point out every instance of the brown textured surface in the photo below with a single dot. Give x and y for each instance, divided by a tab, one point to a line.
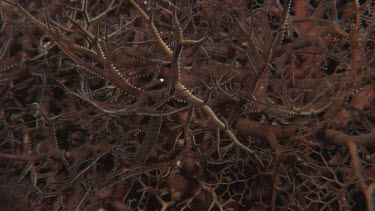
187	104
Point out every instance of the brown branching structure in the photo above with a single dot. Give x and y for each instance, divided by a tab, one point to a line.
187	105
